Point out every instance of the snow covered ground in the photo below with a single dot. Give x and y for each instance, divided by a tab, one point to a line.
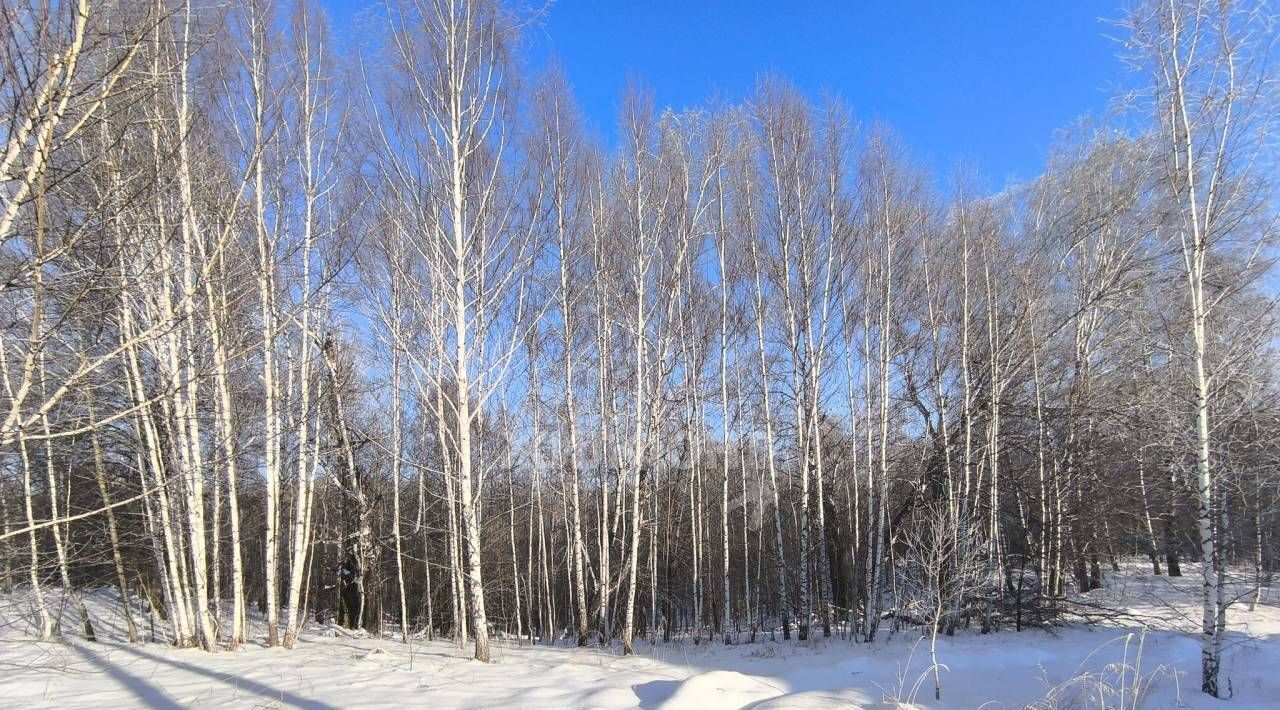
1147	652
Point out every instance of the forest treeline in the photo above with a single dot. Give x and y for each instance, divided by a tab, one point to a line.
388	335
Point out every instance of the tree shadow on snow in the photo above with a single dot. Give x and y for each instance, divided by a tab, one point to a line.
253	686
148	694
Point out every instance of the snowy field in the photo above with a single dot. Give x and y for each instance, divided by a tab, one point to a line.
1147	655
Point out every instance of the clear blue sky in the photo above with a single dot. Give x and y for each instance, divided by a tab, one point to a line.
983	83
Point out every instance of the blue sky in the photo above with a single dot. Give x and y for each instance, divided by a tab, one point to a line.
980	84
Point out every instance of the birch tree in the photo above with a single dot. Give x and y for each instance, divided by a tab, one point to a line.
1210	97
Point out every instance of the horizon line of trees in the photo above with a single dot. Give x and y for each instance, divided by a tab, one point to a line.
388	336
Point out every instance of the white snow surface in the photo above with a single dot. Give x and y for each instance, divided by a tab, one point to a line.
1146	657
